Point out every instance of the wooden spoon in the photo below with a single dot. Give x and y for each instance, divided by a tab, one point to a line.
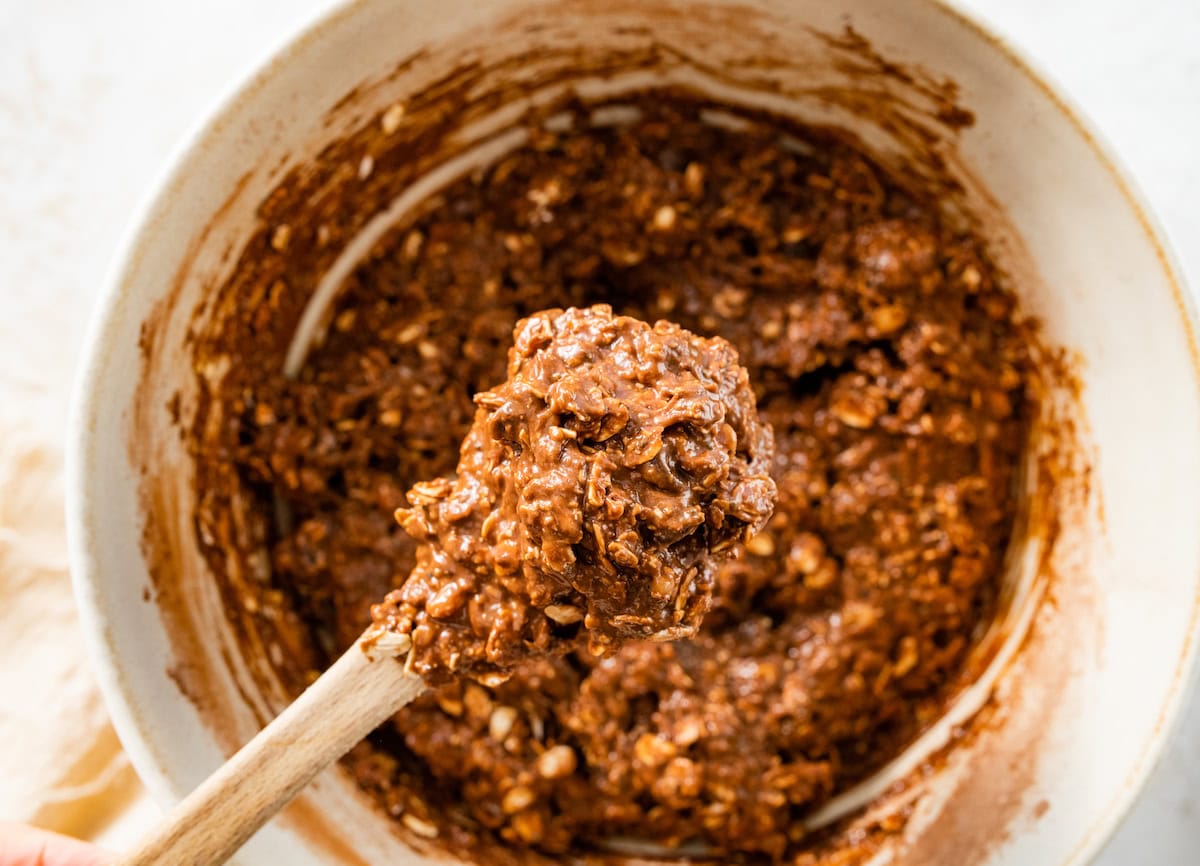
362	689
595	365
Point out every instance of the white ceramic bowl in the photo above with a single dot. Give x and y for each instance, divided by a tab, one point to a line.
1078	715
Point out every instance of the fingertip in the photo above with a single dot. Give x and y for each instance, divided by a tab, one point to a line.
28	846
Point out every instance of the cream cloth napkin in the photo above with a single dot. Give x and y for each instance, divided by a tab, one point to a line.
63	767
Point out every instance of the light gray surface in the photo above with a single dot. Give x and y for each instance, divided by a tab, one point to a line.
93	95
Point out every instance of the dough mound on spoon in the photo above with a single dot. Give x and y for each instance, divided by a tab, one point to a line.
596	492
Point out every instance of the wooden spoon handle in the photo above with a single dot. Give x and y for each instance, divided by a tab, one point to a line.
363	688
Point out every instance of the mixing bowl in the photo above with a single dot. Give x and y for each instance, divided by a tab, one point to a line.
1080	681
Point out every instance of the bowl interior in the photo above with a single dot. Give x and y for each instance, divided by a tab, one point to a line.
1101	669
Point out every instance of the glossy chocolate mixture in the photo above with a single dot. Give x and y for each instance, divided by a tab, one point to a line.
599	486
883	350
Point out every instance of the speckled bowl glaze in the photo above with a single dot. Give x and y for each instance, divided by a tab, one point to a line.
1091	662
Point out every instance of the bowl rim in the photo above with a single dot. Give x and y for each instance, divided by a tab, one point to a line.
108	318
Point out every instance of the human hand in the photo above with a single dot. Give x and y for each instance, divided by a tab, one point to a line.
27	846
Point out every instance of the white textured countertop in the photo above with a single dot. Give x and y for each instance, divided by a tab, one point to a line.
93	96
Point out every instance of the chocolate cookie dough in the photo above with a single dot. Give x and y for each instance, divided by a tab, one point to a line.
599	485
884	350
